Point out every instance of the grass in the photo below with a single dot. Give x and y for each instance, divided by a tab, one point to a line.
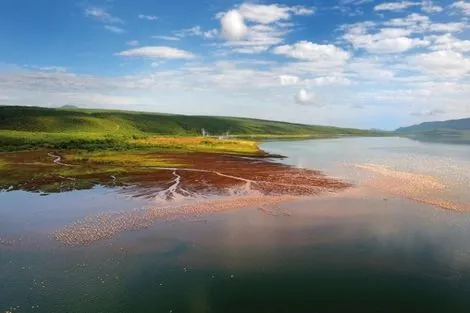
38	173
27	128
128	159
107	143
200	144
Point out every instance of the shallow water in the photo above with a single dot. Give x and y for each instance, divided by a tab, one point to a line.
448	163
361	251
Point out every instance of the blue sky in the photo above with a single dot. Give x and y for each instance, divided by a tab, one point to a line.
359	63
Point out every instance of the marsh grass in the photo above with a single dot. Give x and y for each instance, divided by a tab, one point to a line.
201	144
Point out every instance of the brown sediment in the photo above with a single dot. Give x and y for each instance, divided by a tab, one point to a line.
236	182
220	174
417	187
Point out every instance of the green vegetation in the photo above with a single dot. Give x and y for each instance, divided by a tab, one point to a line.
200	144
452	131
26	128
115	147
82	169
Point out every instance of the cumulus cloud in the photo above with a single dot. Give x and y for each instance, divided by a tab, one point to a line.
233	25
395	6
157	52
386	40
449	42
287	80
267	14
370	69
442	63
254	28
304	97
329	80
417	23
463	6
259	38
309	51
429	7
426	5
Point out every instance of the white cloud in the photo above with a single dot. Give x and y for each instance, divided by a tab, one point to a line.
386	40
329	80
395	6
114	29
101	15
210	34
287	80
169	38
233	25
157	52
197	31
414	22
56	69
147	17
463	6
418	23
259	38
133	43
429	7
354	2
445	63
447	27
305	97
302	11
264	14
433	112
370	69
254	28
267	14
308	51
449	42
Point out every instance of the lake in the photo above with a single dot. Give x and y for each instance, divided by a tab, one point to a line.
379	247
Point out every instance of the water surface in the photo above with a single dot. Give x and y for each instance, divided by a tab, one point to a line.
342	253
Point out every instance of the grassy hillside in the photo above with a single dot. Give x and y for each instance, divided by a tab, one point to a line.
28	127
122	122
452	131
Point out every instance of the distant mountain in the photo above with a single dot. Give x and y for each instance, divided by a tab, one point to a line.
452	131
462	124
69	106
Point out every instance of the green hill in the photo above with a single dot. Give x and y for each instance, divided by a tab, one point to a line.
30	126
451	131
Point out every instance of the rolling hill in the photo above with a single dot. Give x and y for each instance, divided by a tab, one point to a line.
30	127
36	119
451	131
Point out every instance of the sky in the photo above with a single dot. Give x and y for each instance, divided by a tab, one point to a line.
354	63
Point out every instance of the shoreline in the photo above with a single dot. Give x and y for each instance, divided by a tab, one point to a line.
214	183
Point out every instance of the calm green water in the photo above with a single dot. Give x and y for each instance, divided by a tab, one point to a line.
333	254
